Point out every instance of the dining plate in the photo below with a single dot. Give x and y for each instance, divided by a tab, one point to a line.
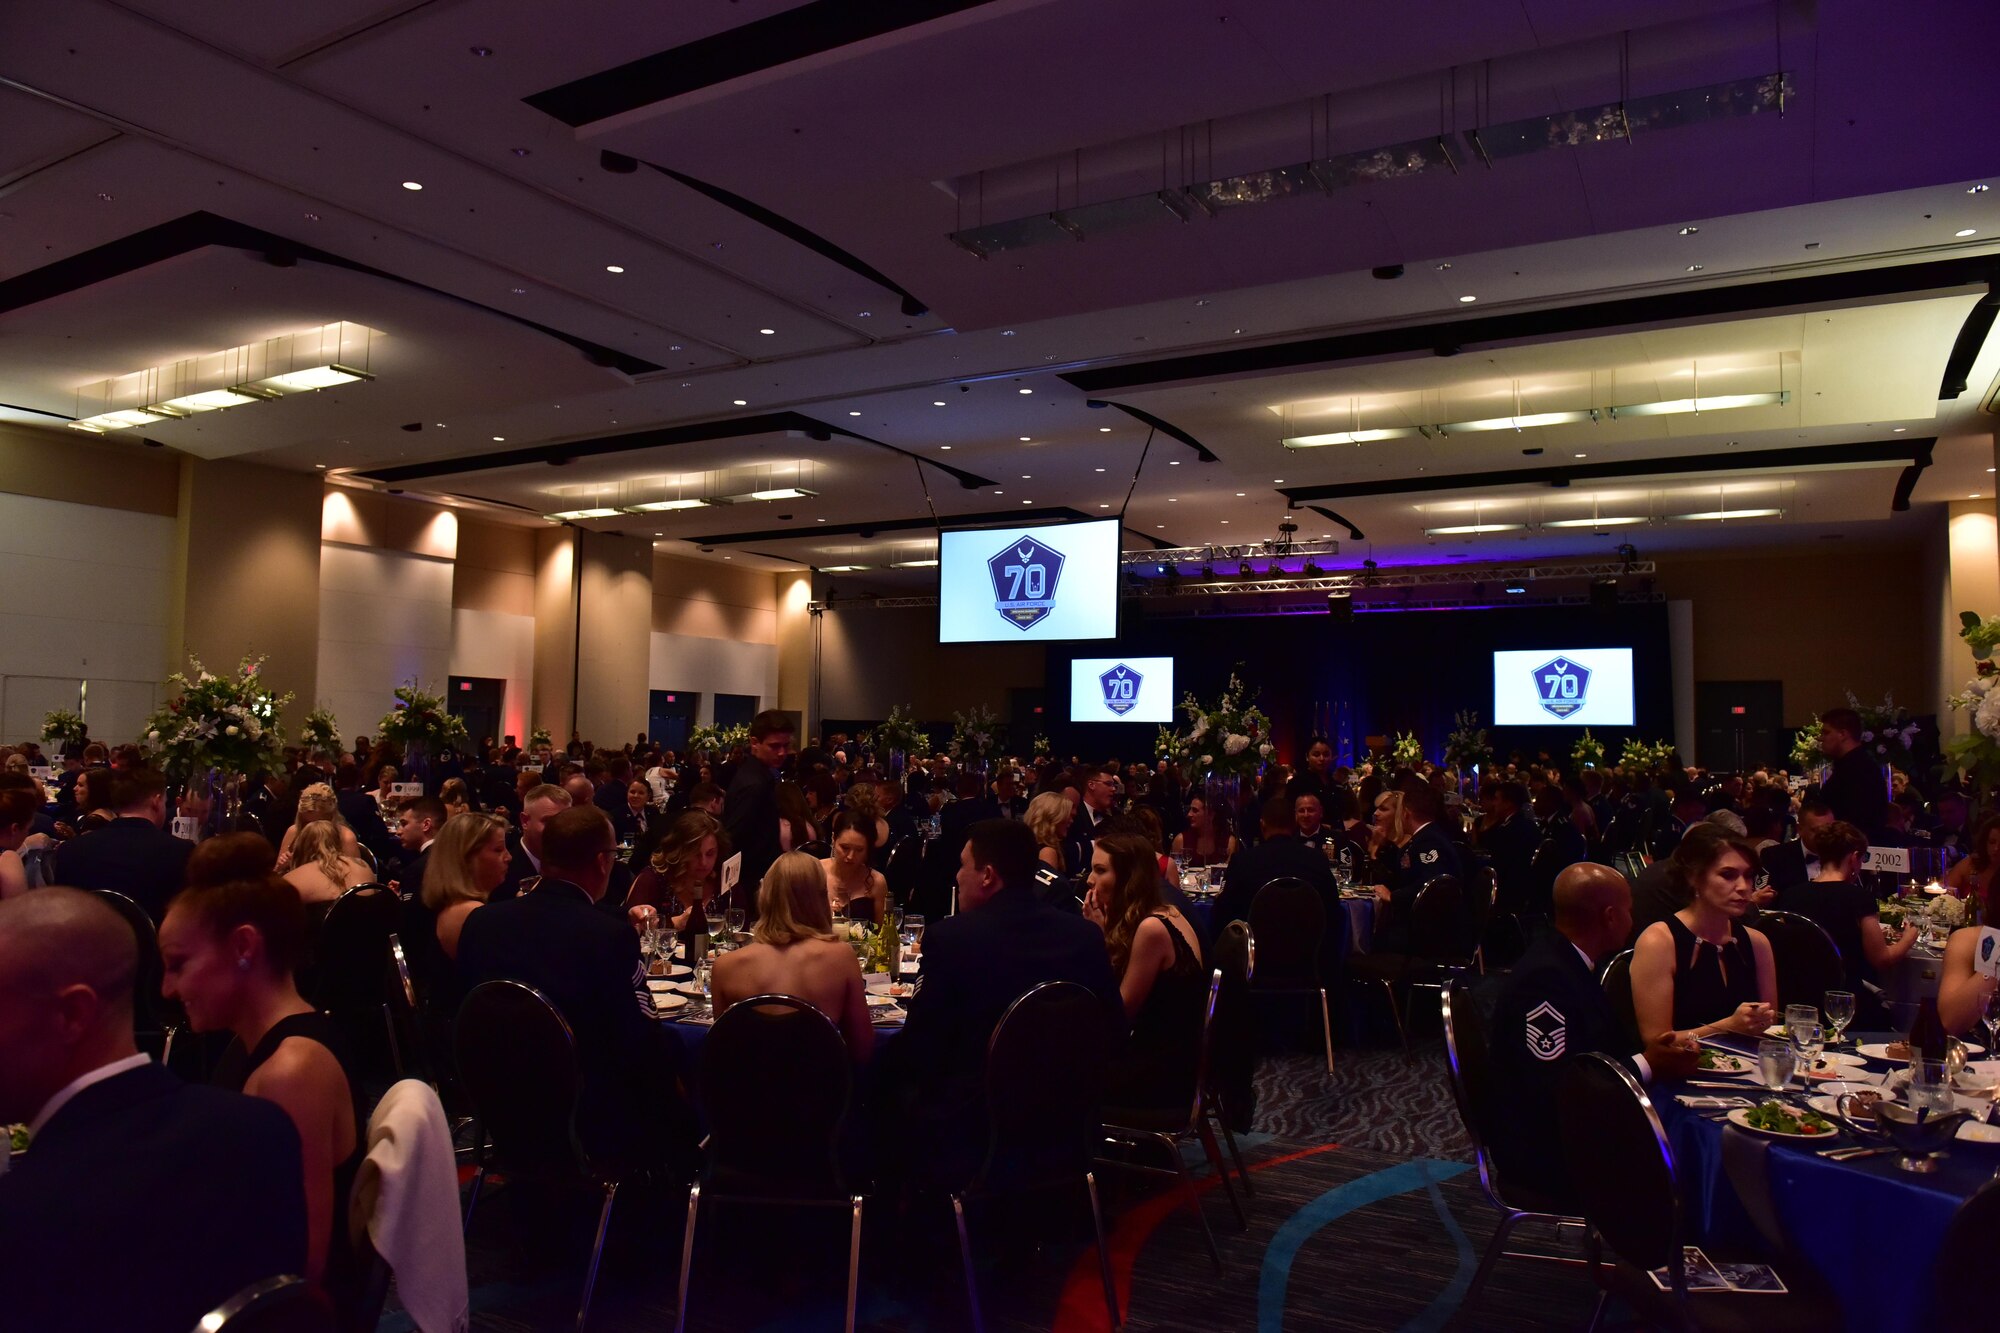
674	972
1831	1063
1877	1050
880	1000
665	1002
1828	1104
1723	1062
1972	1131
1740	1117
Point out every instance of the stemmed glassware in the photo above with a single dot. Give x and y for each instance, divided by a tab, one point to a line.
1839	1006
734	919
1808	1040
1990	1016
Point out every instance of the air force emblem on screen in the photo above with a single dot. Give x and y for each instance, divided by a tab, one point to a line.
1025	576
1121	688
1562	685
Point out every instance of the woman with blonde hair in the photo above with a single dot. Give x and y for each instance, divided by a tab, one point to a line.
793	951
1049	817
466	863
457	800
680	875
316	804
321	871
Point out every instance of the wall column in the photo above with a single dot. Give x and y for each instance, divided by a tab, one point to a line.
614	650
798	650
246	574
1971	583
555	633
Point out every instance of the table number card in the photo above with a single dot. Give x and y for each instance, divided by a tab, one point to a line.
732	870
1893	860
406	790
1986	954
188	827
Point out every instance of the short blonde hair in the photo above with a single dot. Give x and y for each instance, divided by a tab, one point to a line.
791	902
448	868
1046	814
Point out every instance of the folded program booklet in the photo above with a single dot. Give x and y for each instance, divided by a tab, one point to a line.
1702	1275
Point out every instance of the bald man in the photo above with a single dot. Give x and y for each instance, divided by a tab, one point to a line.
204	1187
1550	1008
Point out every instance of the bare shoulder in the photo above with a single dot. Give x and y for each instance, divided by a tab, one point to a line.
301	1069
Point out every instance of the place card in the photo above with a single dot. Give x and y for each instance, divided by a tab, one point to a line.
1986	954
1892	860
406	790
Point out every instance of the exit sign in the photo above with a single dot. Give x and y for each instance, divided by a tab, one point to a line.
1737	710
466	685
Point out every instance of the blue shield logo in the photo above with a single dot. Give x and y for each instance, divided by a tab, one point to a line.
1025	576
1121	688
1562	685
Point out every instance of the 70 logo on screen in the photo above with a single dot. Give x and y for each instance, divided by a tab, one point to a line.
1562	685
1025	575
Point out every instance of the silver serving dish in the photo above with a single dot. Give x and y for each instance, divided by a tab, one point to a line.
1921	1137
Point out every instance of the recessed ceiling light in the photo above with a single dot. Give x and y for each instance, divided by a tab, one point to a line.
1104	430
499	439
767	332
1104	506
1027	391
740	402
1027	502
1966	231
659	534
867	314
854	414
1992	469
1100	469
1173	462
1689	231
1027	476
440	425
999	492
819	520
1583	455
1225	520
1024	439
1897	430
1695	268
322	467
1976	189
1277	481
1006	333
614	268
1467	300
1173	499
518	291
937	402
1239	494
413	185
1159	525
945	447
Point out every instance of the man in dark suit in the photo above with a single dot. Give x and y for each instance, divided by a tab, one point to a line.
1511	841
1789	863
1551	1008
750	811
1279	854
132	854
896	811
1001	943
1854	790
1428	855
422	817
116	1140
558	941
1099	791
358	808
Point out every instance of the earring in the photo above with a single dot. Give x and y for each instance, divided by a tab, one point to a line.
243	965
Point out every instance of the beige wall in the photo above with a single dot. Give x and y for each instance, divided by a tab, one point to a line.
496	568
712	600
247	573
615	650
369	518
555	631
797	687
871	658
1843	616
69	465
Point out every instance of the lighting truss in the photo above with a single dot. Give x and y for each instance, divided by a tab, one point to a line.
1197	555
1350	582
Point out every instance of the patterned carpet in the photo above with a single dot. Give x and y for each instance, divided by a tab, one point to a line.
1368	1216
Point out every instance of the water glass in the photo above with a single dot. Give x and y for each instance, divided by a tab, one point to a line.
1808	1040
1775	1063
913	932
734	918
1930	1087
1797	1015
1990	1016
1839	1013
702	971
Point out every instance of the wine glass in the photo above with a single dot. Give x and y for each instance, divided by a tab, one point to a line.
913	932
1808	1040
1775	1063
1990	1016
1839	1013
735	919
1797	1014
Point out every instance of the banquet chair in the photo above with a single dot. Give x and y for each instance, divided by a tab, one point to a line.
905	861
353	973
774	1088
1436	949
1467	1051
1168	1128
518	1066
1231	1089
1289	917
1624	1171
1968	1246
1805	957
156	1020
1044	1093
282	1304
1616	978
819	849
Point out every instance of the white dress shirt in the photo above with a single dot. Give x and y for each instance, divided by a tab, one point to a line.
79	1083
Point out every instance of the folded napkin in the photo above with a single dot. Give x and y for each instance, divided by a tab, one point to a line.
1695	1103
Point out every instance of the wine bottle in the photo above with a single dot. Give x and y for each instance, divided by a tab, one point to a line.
1927	1035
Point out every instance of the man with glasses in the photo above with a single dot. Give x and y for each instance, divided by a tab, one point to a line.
1100	791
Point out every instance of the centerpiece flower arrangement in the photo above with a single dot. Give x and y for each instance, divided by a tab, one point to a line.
1406	752
539	739
975	735
421	719
1467	747
1805	756
226	725
1232	739
1888	732
1041	747
900	734
718	740
64	729
320	732
1976	754
1588	752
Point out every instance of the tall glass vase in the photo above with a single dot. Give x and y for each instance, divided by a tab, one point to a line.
1224	791
417	763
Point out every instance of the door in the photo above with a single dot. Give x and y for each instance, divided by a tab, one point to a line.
477	700
1737	723
735	710
670	717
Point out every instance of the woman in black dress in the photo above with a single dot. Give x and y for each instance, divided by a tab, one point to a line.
229	950
1156	955
1701	970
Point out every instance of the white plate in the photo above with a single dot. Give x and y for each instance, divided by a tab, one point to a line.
1726	1062
1974	1132
880	1000
666	1002
1831	1064
1880	1051
1984	1074
1741	1115
1828	1104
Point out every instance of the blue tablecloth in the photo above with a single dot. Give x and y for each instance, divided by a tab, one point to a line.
1871	1229
1360	920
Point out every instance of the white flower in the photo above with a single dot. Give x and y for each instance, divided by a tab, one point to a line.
1987	716
1200	729
1235	744
232	731
153	735
1265	750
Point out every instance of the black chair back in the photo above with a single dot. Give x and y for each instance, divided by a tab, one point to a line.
906	859
1232	1065
283	1304
1465	1044
152	1012
1619	1162
517	1066
774	1088
819	848
1807	961
1044	1088
1437	921
1968	1246
351	951
1616	978
1288	921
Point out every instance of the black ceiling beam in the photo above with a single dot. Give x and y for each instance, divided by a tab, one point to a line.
1907	482
1965	348
1450	337
660	437
198	231
989	519
796	33
1791	460
1167	428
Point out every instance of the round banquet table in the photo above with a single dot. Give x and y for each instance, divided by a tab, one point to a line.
1360	918
1870	1229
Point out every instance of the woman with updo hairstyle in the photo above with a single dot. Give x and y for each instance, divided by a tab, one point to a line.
1845	910
316	803
457	800
866	807
851	885
229	951
1702	971
680	876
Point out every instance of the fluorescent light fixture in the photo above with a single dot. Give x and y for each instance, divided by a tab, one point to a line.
780	493
304	381
1473	529
570	515
842	569
1521	422
1722	515
1719	403
122	419
1344	437
914	564
212	399
1624	521
662	506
